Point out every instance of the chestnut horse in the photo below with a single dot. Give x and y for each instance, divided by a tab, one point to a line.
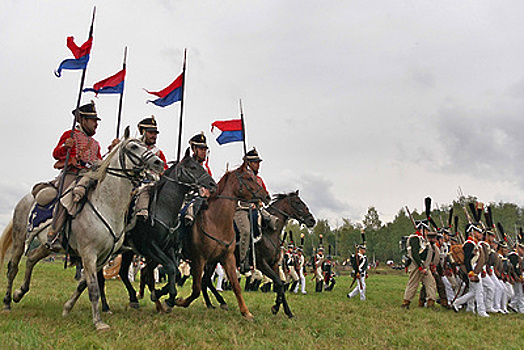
267	250
213	238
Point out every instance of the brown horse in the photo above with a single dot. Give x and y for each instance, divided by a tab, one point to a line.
268	249
212	235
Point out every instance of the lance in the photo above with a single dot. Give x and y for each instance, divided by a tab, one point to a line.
119	118
181	107
68	154
243	126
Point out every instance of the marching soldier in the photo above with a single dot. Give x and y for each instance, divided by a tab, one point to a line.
515	258
300	262
420	252
473	264
148	129
359	262
318	263
435	269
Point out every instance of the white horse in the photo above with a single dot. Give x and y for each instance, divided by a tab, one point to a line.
96	232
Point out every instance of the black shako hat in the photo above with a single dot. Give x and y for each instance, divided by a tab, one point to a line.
148	124
199	140
252	156
86	111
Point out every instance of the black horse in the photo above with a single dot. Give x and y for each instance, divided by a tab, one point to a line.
156	239
267	250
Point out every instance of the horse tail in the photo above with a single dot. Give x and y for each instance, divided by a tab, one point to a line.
6	241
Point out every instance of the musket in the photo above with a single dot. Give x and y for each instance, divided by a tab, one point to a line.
411	218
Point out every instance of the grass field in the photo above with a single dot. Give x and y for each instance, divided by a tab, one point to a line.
323	321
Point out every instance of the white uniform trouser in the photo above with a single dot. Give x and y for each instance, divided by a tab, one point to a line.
220	276
450	293
499	291
489	292
517	302
302	283
475	294
358	289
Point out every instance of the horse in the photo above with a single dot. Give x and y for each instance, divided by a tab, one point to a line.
95	233
156	239
267	250
212	236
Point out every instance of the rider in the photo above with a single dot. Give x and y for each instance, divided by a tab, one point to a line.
199	149
148	129
84	153
242	219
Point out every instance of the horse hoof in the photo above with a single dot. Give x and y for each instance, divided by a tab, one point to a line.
134	305
7	309
274	310
224	307
102	326
108	312
140	296
249	317
210	306
167	308
65	313
291	316
17	295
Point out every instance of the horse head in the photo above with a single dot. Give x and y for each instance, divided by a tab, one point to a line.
190	172
293	206
134	157
247	187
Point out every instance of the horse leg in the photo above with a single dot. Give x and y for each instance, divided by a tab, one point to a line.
170	268
32	259
17	250
82	285
229	265
102	289
206	284
197	267
220	299
90	271
127	259
272	272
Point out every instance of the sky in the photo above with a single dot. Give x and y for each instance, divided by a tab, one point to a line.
353	103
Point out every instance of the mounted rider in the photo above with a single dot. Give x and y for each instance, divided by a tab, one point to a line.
148	129
259	216
84	154
199	149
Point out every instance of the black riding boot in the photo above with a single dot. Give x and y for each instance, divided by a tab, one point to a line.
293	285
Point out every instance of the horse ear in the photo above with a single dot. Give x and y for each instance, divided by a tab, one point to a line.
127	132
296	192
187	153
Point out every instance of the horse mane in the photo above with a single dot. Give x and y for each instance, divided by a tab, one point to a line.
221	184
100	172
279	196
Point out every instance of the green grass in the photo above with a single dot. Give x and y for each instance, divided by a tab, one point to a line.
323	321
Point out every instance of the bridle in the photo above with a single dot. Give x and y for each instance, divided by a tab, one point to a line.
297	214
256	197
193	182
139	163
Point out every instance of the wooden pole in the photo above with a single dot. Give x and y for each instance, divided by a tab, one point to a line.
119	118
181	107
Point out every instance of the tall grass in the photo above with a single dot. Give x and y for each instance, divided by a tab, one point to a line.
323	321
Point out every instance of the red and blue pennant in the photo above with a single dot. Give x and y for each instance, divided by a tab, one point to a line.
231	130
81	56
169	95
112	85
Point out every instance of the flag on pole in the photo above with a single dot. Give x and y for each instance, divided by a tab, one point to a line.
169	95
231	130
81	56
112	85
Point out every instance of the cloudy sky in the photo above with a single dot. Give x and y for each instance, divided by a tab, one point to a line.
354	103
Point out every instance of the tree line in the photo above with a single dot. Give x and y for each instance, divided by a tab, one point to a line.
382	239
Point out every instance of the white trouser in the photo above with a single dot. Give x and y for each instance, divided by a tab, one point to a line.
517	302
475	294
302	283
220	276
358	289
499	290
489	292
450	293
